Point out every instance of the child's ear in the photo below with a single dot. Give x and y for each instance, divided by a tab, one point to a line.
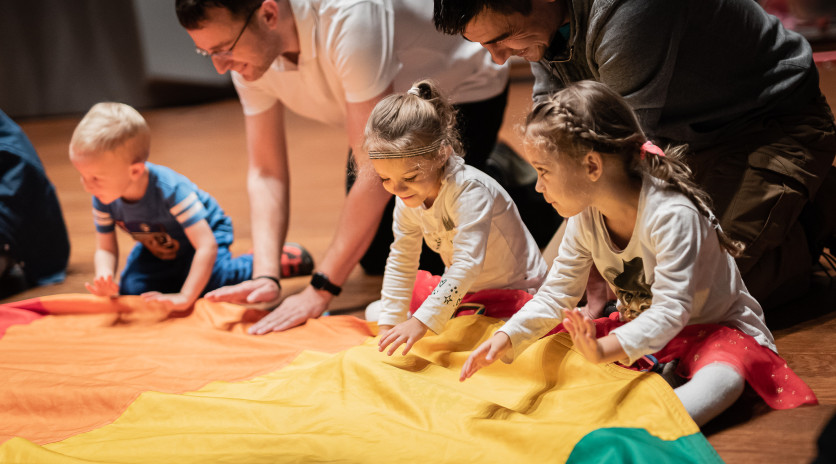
137	169
593	163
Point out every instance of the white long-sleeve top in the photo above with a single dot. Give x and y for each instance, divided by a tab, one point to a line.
476	228
673	264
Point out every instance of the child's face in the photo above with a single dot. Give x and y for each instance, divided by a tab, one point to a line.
562	181
108	175
414	180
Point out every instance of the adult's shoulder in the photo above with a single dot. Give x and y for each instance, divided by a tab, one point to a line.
632	13
643	18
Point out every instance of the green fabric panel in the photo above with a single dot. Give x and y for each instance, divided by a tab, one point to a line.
623	445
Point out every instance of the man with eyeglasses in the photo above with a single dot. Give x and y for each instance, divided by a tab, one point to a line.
332	61
720	75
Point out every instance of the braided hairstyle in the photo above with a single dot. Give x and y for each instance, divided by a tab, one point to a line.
417	118
588	115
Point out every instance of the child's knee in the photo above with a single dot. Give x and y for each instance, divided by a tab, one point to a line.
711	390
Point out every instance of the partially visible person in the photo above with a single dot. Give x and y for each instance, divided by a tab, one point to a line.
634	214
34	245
462	213
826	443
722	76
182	234
795	14
811	9
333	61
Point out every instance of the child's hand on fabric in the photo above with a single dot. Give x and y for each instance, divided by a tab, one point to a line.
485	354
382	330
103	286
409	332
168	300
582	330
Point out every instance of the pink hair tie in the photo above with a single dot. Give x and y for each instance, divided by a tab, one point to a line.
649	147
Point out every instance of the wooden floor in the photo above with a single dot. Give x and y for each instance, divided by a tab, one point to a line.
206	143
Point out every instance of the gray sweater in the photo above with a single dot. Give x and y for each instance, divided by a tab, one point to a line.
695	71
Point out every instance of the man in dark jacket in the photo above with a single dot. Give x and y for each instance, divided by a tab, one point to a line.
723	77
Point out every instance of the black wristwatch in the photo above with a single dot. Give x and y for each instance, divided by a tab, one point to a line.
320	281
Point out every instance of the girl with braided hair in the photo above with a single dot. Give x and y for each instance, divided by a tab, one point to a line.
636	216
460	212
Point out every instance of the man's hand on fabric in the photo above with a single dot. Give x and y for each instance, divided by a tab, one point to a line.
256	293
294	310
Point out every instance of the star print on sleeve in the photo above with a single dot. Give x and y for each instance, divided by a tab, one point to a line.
439	286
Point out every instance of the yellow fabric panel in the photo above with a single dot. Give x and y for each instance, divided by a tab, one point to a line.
362	406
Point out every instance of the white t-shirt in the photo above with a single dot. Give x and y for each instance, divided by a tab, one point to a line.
673	263
476	229
352	50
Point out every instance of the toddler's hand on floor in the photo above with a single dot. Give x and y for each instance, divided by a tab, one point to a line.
409	332
582	330
485	354
168	300
103	286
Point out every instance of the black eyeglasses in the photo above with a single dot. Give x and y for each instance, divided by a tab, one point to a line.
228	52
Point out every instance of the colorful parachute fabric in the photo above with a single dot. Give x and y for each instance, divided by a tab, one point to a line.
125	384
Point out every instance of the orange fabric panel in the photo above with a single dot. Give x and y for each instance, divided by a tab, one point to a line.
68	374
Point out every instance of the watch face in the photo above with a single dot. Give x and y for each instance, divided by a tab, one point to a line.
318	280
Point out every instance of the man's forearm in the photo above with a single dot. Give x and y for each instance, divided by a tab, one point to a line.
269	212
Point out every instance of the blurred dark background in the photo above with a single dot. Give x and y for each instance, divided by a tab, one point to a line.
59	57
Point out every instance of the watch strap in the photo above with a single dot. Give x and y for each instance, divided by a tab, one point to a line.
269	277
320	281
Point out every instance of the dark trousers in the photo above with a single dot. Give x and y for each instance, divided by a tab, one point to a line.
144	272
773	188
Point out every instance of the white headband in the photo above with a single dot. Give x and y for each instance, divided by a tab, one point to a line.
406	153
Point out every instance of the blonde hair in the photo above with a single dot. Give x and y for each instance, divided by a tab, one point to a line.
588	115
409	121
109	125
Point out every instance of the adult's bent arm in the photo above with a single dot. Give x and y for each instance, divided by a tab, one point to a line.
268	184
356	228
